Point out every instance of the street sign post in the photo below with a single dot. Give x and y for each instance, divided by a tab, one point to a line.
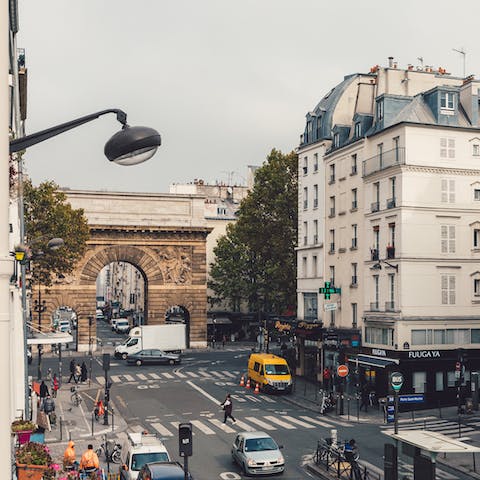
342	371
328	307
396	381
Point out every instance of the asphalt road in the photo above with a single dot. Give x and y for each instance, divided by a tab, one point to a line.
157	398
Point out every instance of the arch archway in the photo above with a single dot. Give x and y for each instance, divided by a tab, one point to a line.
172	263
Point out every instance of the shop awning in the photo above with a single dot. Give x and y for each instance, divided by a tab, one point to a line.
49	338
372	361
219	321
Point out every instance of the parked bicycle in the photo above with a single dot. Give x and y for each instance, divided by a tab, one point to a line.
75	397
111	450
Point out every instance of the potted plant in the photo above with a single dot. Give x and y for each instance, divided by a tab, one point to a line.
34	462
23	429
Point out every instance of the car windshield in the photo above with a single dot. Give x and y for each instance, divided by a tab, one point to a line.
122	324
260	444
276	370
140	459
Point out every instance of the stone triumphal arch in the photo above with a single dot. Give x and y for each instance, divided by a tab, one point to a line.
162	235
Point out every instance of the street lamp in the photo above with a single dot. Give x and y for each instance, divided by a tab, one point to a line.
378	265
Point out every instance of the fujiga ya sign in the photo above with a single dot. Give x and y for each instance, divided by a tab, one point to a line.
424	354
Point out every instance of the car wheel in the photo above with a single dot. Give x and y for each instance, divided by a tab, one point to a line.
171	362
124	356
138	363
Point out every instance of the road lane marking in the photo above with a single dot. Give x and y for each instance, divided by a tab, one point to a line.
277	421
141	376
317	422
258	422
267	399
228	374
161	429
192	374
115	378
167	375
203	392
180	374
155	376
206	430
218	374
100	380
245	426
129	378
205	374
238	398
221	425
297	421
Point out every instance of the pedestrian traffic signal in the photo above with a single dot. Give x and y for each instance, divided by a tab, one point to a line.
185	446
106	361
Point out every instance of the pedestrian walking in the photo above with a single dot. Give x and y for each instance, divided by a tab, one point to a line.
365	398
55	385
89	460
224	341
78	373
43	392
99	410
72	370
84	372
227	409
69	456
124	475
49	409
352	455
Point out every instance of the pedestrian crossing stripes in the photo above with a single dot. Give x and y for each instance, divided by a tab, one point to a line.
214	426
222	375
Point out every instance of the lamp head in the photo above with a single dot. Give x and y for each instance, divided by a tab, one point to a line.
132	145
376	266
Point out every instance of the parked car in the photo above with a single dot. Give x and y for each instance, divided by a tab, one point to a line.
257	454
152	356
163	471
65	326
122	325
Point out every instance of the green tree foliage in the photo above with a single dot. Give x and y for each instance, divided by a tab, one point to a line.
256	260
48	215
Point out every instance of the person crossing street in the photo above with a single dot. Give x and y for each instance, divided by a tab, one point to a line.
227	408
89	461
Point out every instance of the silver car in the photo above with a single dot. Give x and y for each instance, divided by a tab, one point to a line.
257	454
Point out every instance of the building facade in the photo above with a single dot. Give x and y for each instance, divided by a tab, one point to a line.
401	167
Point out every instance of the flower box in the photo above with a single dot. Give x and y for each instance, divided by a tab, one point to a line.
24	436
30	472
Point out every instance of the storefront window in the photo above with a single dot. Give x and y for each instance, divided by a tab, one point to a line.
439	337
475	335
458	336
310	305
419	337
379	336
439	387
419	380
451	380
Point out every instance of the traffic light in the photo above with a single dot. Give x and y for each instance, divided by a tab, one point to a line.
185	439
106	361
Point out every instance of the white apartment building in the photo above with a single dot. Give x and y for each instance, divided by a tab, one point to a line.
401	228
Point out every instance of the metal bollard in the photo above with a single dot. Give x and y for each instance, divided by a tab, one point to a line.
113	419
93	418
61	428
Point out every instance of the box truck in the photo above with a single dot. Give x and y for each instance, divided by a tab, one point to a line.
166	337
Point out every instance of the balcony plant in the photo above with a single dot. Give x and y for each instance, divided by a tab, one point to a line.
34	462
23	429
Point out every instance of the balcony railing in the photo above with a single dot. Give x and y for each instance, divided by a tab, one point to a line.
375	207
374	254
332	249
389	306
354	170
391	203
305	170
315	203
374	307
332	212
305	204
354	242
332	179
390	252
315	239
305	240
354	204
354	280
384	160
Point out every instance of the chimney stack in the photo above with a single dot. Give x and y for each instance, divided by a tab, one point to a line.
390	62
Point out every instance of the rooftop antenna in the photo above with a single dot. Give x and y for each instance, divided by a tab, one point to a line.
462	51
420	59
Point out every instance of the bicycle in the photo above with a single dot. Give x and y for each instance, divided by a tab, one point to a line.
75	397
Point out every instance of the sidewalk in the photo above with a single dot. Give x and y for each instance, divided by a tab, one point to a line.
305	395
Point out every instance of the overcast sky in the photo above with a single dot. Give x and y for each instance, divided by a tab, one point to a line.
223	81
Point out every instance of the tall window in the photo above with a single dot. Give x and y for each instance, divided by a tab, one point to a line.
376	291
304	267
391	202
314	266
332	241
448	191
358	129
354	273
354	315
310	306
315	162
354	198
419	381
354	164
396	148
376	240
476	287
448	289
475	149
476	194
315	232
332	274
305	233
447	100
305	198
336	140
305	165
380	153
332	206
447	148
379	109
476	238
332	173
354	236
315	196
447	238
376	197
391	290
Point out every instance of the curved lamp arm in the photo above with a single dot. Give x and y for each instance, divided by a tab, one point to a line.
29	140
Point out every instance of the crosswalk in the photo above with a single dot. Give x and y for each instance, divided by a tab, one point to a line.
176	374
447	427
209	424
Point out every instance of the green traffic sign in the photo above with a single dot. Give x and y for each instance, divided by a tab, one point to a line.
327	290
396	381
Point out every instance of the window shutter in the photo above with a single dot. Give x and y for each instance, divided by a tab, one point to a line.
443	239
444	195
451	239
451	293
443	148
451	192
444	288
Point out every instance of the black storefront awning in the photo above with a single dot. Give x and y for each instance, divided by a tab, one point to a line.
371	361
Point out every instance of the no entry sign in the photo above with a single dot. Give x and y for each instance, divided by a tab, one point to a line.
342	370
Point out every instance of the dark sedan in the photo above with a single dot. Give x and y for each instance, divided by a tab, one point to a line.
153	356
163	471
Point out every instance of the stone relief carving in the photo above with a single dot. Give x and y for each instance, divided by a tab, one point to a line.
64	279
176	264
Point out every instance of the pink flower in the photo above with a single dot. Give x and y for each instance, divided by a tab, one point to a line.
55	466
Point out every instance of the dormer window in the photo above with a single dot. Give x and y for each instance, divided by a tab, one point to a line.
380	110
358	130
447	101
476	149
336	140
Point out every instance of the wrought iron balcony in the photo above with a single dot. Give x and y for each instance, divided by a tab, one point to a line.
315	203
354	204
354	280
390	252
374	307
354	242
391	203
389	306
374	254
375	207
332	249
384	160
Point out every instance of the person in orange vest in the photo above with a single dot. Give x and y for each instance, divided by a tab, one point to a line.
69	456
99	410
89	459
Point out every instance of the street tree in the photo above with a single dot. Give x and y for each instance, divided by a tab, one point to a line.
256	260
49	215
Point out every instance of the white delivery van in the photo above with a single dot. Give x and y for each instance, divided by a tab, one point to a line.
141	448
167	337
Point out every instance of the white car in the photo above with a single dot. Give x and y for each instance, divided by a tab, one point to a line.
65	326
122	325
114	324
